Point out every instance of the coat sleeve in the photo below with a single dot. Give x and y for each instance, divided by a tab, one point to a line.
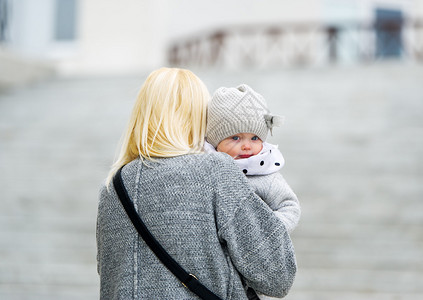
275	191
257	241
103	195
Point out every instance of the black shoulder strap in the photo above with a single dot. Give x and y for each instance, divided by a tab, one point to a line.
188	280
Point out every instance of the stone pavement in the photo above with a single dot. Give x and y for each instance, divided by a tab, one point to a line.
352	141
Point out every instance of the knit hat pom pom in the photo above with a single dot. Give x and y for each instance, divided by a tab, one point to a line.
273	121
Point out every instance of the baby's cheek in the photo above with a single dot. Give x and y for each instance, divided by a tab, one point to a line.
260	147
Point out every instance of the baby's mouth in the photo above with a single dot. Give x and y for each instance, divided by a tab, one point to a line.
244	155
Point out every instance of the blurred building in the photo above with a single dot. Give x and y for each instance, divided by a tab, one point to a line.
304	33
109	37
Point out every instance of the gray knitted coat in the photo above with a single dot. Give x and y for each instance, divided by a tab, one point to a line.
203	212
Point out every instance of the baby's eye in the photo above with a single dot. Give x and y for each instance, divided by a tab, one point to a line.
235	138
255	138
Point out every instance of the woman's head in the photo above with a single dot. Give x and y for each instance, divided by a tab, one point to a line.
168	118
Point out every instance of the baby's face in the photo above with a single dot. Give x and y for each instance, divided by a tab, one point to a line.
241	145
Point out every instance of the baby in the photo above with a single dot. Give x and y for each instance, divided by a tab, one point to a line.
238	123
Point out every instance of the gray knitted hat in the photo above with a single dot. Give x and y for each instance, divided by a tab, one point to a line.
236	110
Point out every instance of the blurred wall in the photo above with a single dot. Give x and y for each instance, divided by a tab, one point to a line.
110	36
119	36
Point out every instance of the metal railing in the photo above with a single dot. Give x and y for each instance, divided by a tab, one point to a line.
299	44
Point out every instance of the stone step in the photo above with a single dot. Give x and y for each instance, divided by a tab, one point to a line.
351	295
353	157
349	280
17	71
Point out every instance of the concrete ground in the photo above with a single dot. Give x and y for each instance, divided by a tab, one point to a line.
352	140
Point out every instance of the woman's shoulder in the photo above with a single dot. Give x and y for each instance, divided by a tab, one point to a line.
213	158
210	164
198	159
216	160
213	164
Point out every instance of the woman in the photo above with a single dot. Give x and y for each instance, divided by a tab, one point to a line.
198	206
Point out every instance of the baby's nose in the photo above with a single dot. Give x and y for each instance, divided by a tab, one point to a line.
246	146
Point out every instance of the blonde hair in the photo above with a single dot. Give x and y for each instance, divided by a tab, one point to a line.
168	118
